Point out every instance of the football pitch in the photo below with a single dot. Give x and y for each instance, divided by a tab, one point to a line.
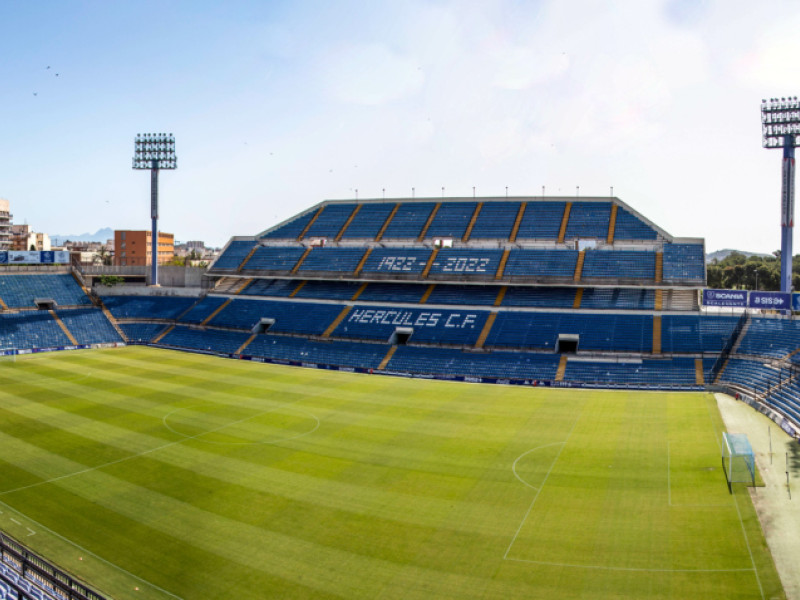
156	474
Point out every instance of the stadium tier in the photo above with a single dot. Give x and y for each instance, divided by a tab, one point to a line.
564	291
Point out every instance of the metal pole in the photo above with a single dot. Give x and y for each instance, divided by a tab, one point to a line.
787	213
154	217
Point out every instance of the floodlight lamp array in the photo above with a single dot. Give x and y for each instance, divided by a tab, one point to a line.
155	151
780	122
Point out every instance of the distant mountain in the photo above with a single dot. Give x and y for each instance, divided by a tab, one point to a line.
101	235
722	254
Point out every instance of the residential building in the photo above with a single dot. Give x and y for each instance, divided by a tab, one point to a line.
133	248
23	237
5	225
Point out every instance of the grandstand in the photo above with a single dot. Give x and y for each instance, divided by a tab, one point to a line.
560	291
526	291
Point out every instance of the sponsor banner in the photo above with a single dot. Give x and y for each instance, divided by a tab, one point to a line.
795	301
24	257
61	257
3	257
770	300
724	298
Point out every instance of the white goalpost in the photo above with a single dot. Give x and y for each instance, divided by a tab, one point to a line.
738	460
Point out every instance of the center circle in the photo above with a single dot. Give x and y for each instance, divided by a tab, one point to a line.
240	425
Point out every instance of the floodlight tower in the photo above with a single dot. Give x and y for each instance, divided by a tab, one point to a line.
780	128
154	151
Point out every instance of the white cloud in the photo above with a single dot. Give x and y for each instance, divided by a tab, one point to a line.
370	74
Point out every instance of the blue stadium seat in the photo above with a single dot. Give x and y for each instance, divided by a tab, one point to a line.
588	220
473	263
397	261
148	307
409	220
495	221
542	220
541	263
619	264
451	220
275	258
332	260
20	291
630	227
369	220
331	220
233	255
684	262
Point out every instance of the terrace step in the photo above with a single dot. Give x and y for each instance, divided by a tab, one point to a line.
336	321
158	338
564	220
386	224
486	329
63	327
474	218
347	223
216	312
562	368
657	335
699	377
515	229
387	358
612	224
429	221
247	343
310	223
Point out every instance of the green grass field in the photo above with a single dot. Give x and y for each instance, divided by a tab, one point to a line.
190	477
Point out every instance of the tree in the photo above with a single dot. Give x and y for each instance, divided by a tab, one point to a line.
32	248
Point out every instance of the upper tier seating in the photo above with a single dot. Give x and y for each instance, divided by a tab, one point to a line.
495	221
542	220
463	294
234	254
630	227
20	291
684	262
409	220
271	287
148	307
619	264
368	222
330	221
89	326
275	258
549	297
451	220
541	263
588	220
473	263
332	260
397	261
328	290
393	292
618	298
292	229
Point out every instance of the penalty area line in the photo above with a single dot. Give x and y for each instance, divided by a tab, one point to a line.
635	569
92	554
538	491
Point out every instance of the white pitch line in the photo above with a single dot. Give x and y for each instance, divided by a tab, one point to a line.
669	481
530	508
15	521
514	466
747	543
97	556
32	532
150	451
641	570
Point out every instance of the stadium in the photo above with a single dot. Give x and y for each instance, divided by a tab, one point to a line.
454	397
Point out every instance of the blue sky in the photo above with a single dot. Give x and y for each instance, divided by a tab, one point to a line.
278	105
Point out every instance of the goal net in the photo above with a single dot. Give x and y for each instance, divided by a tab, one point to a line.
738	460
